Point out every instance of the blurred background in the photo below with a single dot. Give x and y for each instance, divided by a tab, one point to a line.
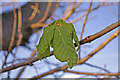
23	24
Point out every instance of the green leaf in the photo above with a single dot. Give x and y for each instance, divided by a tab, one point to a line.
59	35
44	45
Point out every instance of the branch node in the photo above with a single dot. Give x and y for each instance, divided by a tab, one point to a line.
29	62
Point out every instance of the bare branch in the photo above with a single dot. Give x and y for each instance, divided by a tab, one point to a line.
44	16
93	74
56	6
13	34
34	12
85	21
72	10
100	33
97	67
23	68
102	45
14	29
20	35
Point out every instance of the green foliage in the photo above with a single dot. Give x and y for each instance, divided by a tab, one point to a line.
59	35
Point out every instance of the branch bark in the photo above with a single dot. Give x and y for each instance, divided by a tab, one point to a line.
100	33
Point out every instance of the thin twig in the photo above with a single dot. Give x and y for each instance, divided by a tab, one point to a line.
67	9
93	74
18	59
23	68
46	12
34	12
56	6
84	14
20	35
72	10
13	34
44	16
85	21
38	25
14	29
94	66
114	35
78	18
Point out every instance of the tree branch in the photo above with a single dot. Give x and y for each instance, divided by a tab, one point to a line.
88	64
13	34
44	16
72	10
85	21
86	40
93	74
35	11
83	60
99	34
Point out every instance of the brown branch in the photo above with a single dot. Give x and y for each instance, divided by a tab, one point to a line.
85	21
34	12
100	33
67	9
13	34
38	25
95	36
23	68
14	30
20	72
44	16
19	26
56	6
46	12
102	45
27	62
83	60
19	64
93	74
72	10
51	72
19	34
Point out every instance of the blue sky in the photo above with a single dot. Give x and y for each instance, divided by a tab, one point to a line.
108	56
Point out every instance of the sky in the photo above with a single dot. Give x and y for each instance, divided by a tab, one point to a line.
7	8
97	21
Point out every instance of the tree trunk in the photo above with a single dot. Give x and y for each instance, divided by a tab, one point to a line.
8	19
